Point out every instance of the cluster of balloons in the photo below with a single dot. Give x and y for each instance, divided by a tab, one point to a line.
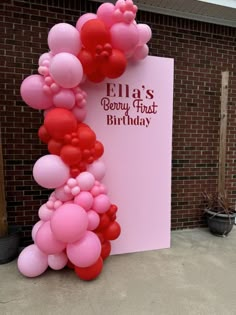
78	221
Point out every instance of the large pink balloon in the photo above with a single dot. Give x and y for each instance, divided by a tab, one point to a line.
57	261
85	180
32	92
101	203
84	18
66	70
64	37
50	171
145	33
46	240
124	36
69	223
86	251
65	99
32	262
105	13
98	169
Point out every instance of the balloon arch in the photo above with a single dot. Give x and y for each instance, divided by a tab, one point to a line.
78	221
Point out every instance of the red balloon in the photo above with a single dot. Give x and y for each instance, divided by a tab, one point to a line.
59	122
96	76
115	65
106	250
71	155
87	137
91	272
54	147
87	61
104	222
94	33
43	134
98	149
112	232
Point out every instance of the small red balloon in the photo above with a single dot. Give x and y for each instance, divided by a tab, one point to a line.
116	65
96	76
54	147
112	232
91	272
87	61
71	155
106	250
87	137
43	134
98	149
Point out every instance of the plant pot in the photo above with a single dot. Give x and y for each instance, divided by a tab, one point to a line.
9	246
220	224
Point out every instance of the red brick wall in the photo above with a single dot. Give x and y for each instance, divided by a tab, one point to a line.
201	51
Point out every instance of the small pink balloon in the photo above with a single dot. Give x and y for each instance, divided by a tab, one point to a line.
33	94
105	13
86	251
32	262
64	37
57	261
79	113
62	195
145	33
44	57
69	223
50	171
84	199
93	220
141	52
84	18
85	180
65	99
44	213
98	169
66	70
124	36
101	203
46	240
35	229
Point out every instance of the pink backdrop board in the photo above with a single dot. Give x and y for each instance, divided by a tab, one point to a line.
132	117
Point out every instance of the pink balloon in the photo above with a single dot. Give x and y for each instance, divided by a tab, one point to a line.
65	99
84	18
45	57
145	33
98	169
32	92
57	261
46	240
84	199
32	262
105	13
86	251
50	171
66	70
64	37
80	113
35	229
124	36
101	203
62	195
44	213
141	52
85	180
69	223
93	220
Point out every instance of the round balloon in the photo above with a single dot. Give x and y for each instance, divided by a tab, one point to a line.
84	18
124	36
57	261
98	169
101	203
91	272
84	199
65	99
35	229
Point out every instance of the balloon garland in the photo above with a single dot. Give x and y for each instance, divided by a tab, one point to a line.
78	222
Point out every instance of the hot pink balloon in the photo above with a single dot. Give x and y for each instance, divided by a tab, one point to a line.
145	33
98	169
46	240
35	229
124	36
79	113
105	13
65	99
69	223
101	203
86	251
44	213
93	220
64	37
84	199
141	52
85	180
57	261
66	70
32	262
84	18
32	92
50	171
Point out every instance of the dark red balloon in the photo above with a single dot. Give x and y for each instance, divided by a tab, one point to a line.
70	265
43	134
96	76
106	250
87	61
91	272
115	65
98	149
112	232
87	137
54	147
71	155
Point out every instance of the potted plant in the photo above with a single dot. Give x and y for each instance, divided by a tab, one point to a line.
9	237
220	215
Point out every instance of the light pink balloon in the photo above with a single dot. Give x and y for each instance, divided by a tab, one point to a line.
124	36
66	70
32	262
105	13
35	229
64	37
57	261
46	240
62	195
84	199
32	92
84	18
86	251
65	99
145	33
44	213
98	169
80	113
50	171
93	220
69	223
45	57
85	180
141	52
101	203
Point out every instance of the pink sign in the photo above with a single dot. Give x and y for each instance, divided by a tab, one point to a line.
132	117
